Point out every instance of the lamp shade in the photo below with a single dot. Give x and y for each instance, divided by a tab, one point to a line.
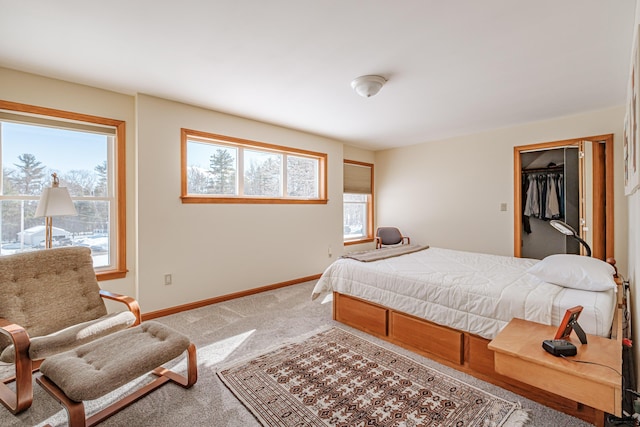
55	201
568	230
563	227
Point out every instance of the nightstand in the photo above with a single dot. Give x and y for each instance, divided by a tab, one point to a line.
518	354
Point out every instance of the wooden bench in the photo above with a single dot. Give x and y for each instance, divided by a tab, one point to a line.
95	369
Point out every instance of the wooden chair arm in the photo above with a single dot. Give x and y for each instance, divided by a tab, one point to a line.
21	398
378	243
18	336
131	303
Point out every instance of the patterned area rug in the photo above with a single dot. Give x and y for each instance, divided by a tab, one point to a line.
336	379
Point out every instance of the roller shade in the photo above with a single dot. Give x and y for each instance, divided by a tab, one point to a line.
357	179
60	124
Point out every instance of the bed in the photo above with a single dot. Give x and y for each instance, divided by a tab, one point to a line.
450	304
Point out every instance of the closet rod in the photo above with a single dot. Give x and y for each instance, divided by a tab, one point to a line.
559	168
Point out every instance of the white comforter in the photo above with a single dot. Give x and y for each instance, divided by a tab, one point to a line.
473	292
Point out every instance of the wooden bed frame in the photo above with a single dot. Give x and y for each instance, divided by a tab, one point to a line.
457	349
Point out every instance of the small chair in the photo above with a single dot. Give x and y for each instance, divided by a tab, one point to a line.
388	236
50	302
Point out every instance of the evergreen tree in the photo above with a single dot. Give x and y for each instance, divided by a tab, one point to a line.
223	173
302	177
28	178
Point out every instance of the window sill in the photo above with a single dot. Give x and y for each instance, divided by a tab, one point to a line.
111	275
357	242
249	200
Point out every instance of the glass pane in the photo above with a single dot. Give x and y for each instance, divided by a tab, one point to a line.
30	154
355	216
90	228
302	177
22	232
262	174
211	169
17	217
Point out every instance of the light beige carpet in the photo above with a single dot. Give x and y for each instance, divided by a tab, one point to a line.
232	331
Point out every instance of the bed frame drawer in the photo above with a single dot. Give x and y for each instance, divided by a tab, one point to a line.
360	314
428	337
479	357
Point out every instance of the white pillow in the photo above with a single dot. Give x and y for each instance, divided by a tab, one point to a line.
575	271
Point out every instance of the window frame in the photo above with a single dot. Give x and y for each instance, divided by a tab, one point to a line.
206	137
119	269
370	197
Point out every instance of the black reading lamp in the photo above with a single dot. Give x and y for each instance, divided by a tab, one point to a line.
568	230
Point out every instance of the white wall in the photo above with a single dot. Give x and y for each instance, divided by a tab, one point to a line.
43	92
218	249
211	250
448	193
634	250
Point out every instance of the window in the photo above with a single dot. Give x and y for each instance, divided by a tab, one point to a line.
358	202
222	169
87	154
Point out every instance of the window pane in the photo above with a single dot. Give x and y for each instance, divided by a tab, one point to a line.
90	228
262	174
31	153
302	177
211	169
355	216
17	216
22	232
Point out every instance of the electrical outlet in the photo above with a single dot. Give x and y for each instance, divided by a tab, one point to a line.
503	207
168	279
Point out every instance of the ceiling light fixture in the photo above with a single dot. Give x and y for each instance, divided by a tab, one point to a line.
367	86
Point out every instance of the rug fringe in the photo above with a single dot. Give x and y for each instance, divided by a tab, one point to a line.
518	418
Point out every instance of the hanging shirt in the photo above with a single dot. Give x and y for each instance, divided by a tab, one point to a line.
553	204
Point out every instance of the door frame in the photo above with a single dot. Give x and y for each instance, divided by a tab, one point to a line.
607	222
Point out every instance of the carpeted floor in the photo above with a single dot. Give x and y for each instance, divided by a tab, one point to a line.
235	330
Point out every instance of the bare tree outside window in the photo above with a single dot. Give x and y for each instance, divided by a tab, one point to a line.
263	173
302	173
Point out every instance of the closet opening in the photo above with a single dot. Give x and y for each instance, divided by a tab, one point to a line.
570	180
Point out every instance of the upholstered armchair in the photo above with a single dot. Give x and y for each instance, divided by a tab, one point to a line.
50	302
386	236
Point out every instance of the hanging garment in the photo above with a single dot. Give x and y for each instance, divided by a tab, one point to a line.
532	207
553	204
526	223
544	196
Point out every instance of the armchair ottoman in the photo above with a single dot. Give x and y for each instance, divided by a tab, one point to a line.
50	302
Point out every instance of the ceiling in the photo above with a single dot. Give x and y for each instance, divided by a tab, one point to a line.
453	67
